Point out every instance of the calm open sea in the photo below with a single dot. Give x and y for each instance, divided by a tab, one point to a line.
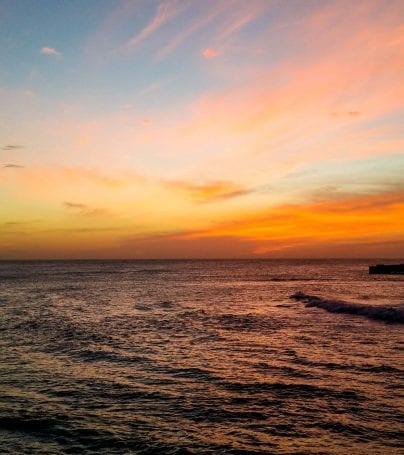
197	357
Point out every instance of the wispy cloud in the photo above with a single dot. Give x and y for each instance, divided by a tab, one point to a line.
220	21
152	88
74	205
215	22
12	147
166	11
210	191
66	180
199	22
50	51
240	19
85	210
298	110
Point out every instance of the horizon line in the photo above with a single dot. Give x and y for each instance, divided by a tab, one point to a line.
201	259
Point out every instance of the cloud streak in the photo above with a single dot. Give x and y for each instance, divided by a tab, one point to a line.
13	166
166	11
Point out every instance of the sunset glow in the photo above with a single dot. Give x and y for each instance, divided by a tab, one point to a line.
188	129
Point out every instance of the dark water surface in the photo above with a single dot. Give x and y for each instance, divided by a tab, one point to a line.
177	357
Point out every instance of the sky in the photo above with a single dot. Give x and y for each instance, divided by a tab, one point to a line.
201	129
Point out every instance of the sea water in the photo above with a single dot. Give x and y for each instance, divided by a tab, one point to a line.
198	357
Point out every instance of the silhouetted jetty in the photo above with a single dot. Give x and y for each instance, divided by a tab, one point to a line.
387	269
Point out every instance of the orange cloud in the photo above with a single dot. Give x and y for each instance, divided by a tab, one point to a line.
351	219
356	226
210	53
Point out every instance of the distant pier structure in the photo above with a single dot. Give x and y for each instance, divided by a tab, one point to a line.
387	269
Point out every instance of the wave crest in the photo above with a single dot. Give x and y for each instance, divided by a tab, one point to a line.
391	314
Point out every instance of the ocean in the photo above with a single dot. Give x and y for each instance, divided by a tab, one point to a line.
200	357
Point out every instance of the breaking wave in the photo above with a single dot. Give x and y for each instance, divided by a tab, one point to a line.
391	314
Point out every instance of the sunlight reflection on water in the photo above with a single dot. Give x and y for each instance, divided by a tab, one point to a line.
196	356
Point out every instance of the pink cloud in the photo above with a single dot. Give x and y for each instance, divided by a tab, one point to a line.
210	53
316	107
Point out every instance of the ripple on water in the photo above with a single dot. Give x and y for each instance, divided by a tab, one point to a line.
195	357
